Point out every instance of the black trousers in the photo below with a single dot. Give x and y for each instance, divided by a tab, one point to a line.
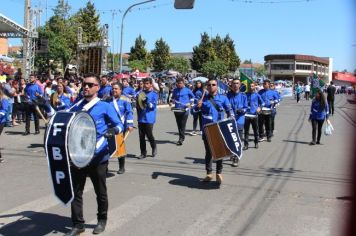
2	125
209	159
145	129
298	97
97	174
331	106
307	94
317	124
273	115
197	117
264	122
181	120
31	109
254	123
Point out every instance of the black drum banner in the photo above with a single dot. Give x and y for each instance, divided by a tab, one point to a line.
230	134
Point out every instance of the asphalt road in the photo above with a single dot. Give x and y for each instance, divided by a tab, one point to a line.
285	187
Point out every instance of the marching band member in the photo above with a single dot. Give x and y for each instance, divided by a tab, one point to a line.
122	105
59	99
105	90
104	116
254	102
212	108
4	106
146	117
319	112
274	108
32	91
199	93
238	101
127	90
269	99
182	98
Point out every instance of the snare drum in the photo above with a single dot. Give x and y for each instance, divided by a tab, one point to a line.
117	146
216	142
266	111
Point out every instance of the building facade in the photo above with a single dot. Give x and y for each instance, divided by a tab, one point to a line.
4	48
344	79
298	68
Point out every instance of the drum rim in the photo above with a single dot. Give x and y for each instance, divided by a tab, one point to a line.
73	119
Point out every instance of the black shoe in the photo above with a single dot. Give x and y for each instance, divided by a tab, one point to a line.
142	156
318	142
269	140
179	143
37	132
245	148
75	231
256	145
121	171
154	152
312	143
26	133
100	227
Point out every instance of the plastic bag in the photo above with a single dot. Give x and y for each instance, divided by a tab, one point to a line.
328	128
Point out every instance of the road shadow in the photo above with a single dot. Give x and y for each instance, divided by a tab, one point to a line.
295	141
37	223
187	181
36	145
165	142
14	132
196	160
277	171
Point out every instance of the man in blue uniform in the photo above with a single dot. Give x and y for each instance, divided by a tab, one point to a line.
105	88
32	91
127	90
182	98
213	107
269	98
104	116
146	117
4	106
238	101
123	108
254	103
274	107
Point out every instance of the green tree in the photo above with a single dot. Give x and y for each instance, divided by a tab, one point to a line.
216	68
202	53
179	64
89	20
139	52
247	62
233	61
138	64
160	55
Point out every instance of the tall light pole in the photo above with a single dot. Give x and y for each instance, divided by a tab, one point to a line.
122	27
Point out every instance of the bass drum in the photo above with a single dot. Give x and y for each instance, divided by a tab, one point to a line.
81	140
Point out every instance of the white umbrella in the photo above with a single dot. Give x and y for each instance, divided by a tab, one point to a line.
200	78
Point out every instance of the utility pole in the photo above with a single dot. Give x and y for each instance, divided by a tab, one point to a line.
26	41
113	13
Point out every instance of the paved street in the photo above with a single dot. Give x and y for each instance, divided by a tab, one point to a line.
285	187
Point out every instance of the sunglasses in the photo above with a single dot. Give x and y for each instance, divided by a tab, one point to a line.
209	85
90	85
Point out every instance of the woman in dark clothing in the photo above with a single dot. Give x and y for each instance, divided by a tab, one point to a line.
319	112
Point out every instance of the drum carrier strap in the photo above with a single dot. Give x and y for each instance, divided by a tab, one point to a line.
211	100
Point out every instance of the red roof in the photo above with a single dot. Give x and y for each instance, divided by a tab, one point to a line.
344	76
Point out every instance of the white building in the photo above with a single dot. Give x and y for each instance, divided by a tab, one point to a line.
297	68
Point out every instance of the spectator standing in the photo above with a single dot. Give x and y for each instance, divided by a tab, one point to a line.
307	91
331	96
319	112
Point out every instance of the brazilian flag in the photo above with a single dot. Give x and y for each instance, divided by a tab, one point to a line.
245	82
316	83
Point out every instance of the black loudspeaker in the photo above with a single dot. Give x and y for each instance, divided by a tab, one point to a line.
184	4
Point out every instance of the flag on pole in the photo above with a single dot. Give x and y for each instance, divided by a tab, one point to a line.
245	82
316	84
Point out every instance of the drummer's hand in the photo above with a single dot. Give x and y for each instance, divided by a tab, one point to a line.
199	104
258	110
130	129
37	94
188	105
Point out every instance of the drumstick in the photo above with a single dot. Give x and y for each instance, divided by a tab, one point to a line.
126	135
41	115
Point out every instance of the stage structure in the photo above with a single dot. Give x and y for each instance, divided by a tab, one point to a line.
92	57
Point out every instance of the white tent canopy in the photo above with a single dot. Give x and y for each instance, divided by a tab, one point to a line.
11	29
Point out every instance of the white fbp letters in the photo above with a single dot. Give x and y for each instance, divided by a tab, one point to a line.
59	175
230	127
234	136
56	151
56	129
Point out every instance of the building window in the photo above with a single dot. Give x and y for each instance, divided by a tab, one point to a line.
282	66
303	67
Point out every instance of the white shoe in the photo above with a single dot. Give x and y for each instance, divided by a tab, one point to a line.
193	133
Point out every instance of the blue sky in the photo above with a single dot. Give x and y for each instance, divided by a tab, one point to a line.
324	28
